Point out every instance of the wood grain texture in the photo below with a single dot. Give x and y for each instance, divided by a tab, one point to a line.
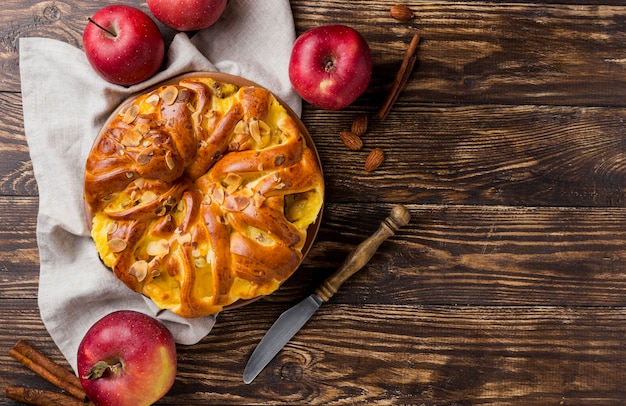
486	154
394	354
508	148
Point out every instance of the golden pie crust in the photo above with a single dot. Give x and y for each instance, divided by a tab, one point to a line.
203	192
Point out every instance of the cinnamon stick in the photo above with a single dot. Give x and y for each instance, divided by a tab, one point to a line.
48	369
402	77
40	397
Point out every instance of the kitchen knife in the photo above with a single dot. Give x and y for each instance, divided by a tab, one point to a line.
288	324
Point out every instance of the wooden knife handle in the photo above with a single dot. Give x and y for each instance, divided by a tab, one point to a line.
361	255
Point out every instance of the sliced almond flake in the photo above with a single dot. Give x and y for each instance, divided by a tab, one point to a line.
206	200
117	245
183	95
112	227
158	248
142	128
139	270
169	160
144	157
153	99
232	181
119	148
258	200
276	177
210	257
241	128
280	186
196	253
199	262
180	206
149	196
130	175
264	127
255	131
191	107
240	202
131	114
123	110
169	95
131	139
247	192
140	182
218	195
260	167
184	239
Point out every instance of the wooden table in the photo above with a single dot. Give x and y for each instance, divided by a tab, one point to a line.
509	284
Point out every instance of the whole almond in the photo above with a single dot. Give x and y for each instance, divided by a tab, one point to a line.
359	124
374	159
401	12
351	140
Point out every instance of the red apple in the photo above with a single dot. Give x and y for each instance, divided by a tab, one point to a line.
330	66
187	15
127	359
123	44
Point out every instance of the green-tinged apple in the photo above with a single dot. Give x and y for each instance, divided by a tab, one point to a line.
127	358
330	66
123	44
187	15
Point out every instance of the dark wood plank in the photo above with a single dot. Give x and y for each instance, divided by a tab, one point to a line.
475	52
19	255
511	155
391	354
444	355
452	255
472	52
16	169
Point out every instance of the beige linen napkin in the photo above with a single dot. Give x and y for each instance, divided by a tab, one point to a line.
65	103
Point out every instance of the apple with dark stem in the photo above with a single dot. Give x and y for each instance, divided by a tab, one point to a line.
187	15
127	358
123	44
330	66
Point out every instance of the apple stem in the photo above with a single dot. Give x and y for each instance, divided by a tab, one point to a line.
101	368
101	27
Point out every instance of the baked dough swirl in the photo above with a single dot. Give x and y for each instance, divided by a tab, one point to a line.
200	194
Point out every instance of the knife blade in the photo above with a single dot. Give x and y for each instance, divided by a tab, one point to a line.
293	319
